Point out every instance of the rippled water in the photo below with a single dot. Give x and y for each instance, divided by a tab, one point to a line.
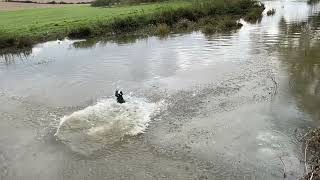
226	106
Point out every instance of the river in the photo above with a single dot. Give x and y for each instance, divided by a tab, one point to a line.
227	106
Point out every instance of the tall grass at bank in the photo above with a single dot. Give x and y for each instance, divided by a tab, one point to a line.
211	25
196	11
22	28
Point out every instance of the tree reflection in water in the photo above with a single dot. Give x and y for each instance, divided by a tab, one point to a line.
300	53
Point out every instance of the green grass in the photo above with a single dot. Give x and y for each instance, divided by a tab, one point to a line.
48	21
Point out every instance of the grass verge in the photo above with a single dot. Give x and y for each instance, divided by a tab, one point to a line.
25	27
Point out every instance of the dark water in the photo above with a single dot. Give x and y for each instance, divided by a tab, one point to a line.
226	106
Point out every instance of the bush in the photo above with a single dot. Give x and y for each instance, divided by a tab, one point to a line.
253	15
101	3
271	12
52	2
209	29
210	25
80	32
128	24
10	41
163	29
228	24
25	42
183	24
6	40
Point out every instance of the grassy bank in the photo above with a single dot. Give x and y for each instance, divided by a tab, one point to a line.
25	27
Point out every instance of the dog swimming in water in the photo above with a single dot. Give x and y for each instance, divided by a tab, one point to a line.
119	97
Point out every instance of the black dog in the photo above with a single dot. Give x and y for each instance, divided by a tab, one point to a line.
119	97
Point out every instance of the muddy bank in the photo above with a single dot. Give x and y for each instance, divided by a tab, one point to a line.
13	6
312	155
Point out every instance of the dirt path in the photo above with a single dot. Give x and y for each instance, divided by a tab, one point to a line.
12	6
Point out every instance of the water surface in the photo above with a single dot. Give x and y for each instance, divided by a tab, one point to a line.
226	106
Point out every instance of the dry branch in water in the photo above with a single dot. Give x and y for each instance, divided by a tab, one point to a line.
312	155
311	177
284	168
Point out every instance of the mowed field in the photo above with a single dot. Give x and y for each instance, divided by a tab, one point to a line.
46	21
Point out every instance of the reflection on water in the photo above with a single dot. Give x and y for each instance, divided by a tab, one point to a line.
301	57
235	103
312	2
10	58
90	43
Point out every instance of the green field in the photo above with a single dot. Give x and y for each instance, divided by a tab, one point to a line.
43	22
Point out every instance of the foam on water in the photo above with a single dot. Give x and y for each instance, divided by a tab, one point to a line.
105	123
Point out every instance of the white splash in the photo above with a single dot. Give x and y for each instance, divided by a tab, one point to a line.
105	123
